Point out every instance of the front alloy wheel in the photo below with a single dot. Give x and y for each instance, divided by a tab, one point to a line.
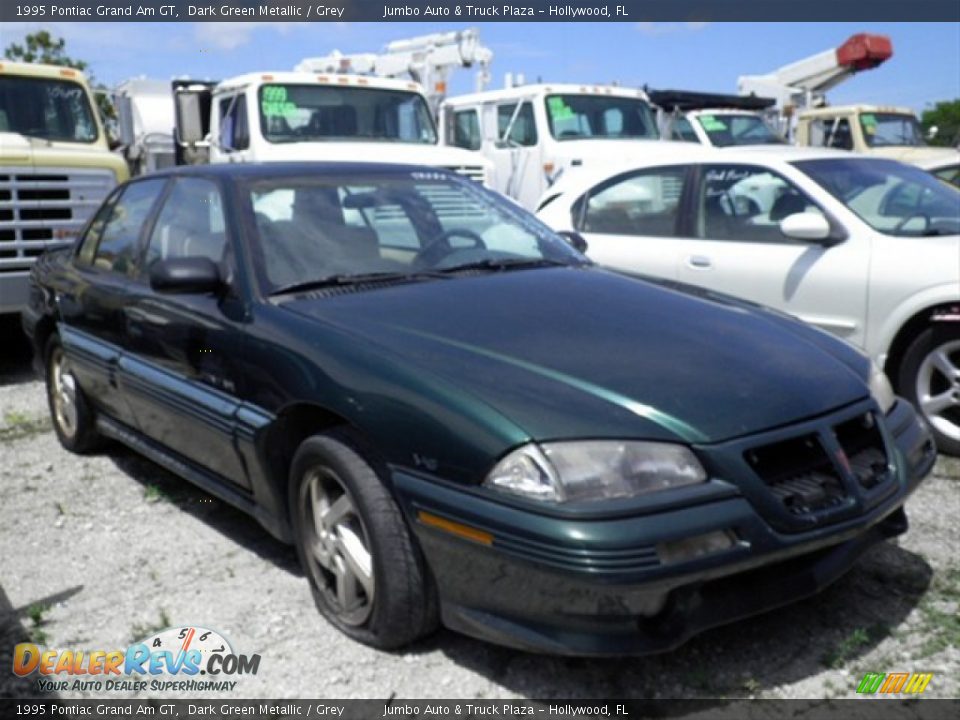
930	379
340	560
368	576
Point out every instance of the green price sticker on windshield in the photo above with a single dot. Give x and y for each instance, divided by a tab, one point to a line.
559	110
711	124
274	103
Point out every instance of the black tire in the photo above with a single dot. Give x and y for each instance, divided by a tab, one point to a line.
915	371
80	435
401	607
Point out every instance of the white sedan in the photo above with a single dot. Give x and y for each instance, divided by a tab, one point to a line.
863	247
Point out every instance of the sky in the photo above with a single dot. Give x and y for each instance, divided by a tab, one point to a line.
924	69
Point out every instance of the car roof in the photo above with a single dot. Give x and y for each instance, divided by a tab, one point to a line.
680	153
293	169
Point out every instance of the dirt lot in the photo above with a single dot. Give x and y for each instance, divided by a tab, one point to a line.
97	551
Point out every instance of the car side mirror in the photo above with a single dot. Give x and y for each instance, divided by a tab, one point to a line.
575	240
194	275
806	226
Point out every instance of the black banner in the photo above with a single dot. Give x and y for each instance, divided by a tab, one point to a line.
888	709
478	10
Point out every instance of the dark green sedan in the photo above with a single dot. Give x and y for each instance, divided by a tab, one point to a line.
456	418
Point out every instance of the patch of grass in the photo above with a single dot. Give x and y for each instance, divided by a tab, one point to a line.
140	631
752	685
941	627
853	643
154	493
37	614
61	508
20	425
14	417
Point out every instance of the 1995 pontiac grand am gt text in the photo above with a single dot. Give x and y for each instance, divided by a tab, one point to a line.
455	417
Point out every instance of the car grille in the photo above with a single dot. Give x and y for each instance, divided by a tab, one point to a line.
44	210
812	474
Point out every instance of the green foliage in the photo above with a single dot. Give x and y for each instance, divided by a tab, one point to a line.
945	116
42	47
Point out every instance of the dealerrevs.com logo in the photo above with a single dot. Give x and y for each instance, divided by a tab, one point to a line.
894	683
184	659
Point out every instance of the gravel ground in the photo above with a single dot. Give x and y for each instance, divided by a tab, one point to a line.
97	551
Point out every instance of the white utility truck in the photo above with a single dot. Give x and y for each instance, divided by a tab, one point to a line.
714	119
534	134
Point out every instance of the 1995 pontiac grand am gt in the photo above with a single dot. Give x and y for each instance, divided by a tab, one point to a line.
455	417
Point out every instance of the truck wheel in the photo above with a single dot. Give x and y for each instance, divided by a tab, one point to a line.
73	420
366	573
930	379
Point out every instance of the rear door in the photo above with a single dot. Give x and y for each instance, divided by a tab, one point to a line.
107	263
516	151
738	249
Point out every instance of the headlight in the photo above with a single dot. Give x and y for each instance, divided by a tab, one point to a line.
594	470
881	389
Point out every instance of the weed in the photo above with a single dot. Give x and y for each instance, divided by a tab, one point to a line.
154	493
141	631
853	643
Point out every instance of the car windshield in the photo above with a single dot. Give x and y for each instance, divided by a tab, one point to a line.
886	129
728	129
295	113
419	225
575	117
891	197
48	109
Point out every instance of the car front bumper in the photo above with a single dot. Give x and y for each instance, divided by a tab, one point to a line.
599	585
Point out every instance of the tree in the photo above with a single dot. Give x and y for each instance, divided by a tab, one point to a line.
945	116
42	47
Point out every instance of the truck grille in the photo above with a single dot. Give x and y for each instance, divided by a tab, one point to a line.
44	210
810	475
474	172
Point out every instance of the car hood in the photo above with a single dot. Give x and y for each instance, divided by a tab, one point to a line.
925	157
584	352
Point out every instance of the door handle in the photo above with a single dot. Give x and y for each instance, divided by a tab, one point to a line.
700	262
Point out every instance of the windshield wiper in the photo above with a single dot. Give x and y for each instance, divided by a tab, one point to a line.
348	279
499	264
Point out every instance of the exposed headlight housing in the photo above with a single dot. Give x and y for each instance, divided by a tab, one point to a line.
880	389
594	470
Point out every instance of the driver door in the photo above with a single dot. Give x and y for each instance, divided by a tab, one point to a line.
739	249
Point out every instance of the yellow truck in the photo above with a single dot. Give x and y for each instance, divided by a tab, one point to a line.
55	167
892	132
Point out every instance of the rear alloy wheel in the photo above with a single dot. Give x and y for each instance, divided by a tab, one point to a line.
930	379
73	421
367	575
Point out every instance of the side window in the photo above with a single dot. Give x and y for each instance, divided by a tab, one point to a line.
88	245
747	203
119	241
190	224
683	131
466	129
234	129
832	133
639	203
523	131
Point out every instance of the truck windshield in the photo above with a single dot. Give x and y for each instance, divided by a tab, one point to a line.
885	129
576	117
728	129
297	113
48	109
891	197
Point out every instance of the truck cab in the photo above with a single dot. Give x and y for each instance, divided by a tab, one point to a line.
55	167
714	119
534	134
293	116
886	131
